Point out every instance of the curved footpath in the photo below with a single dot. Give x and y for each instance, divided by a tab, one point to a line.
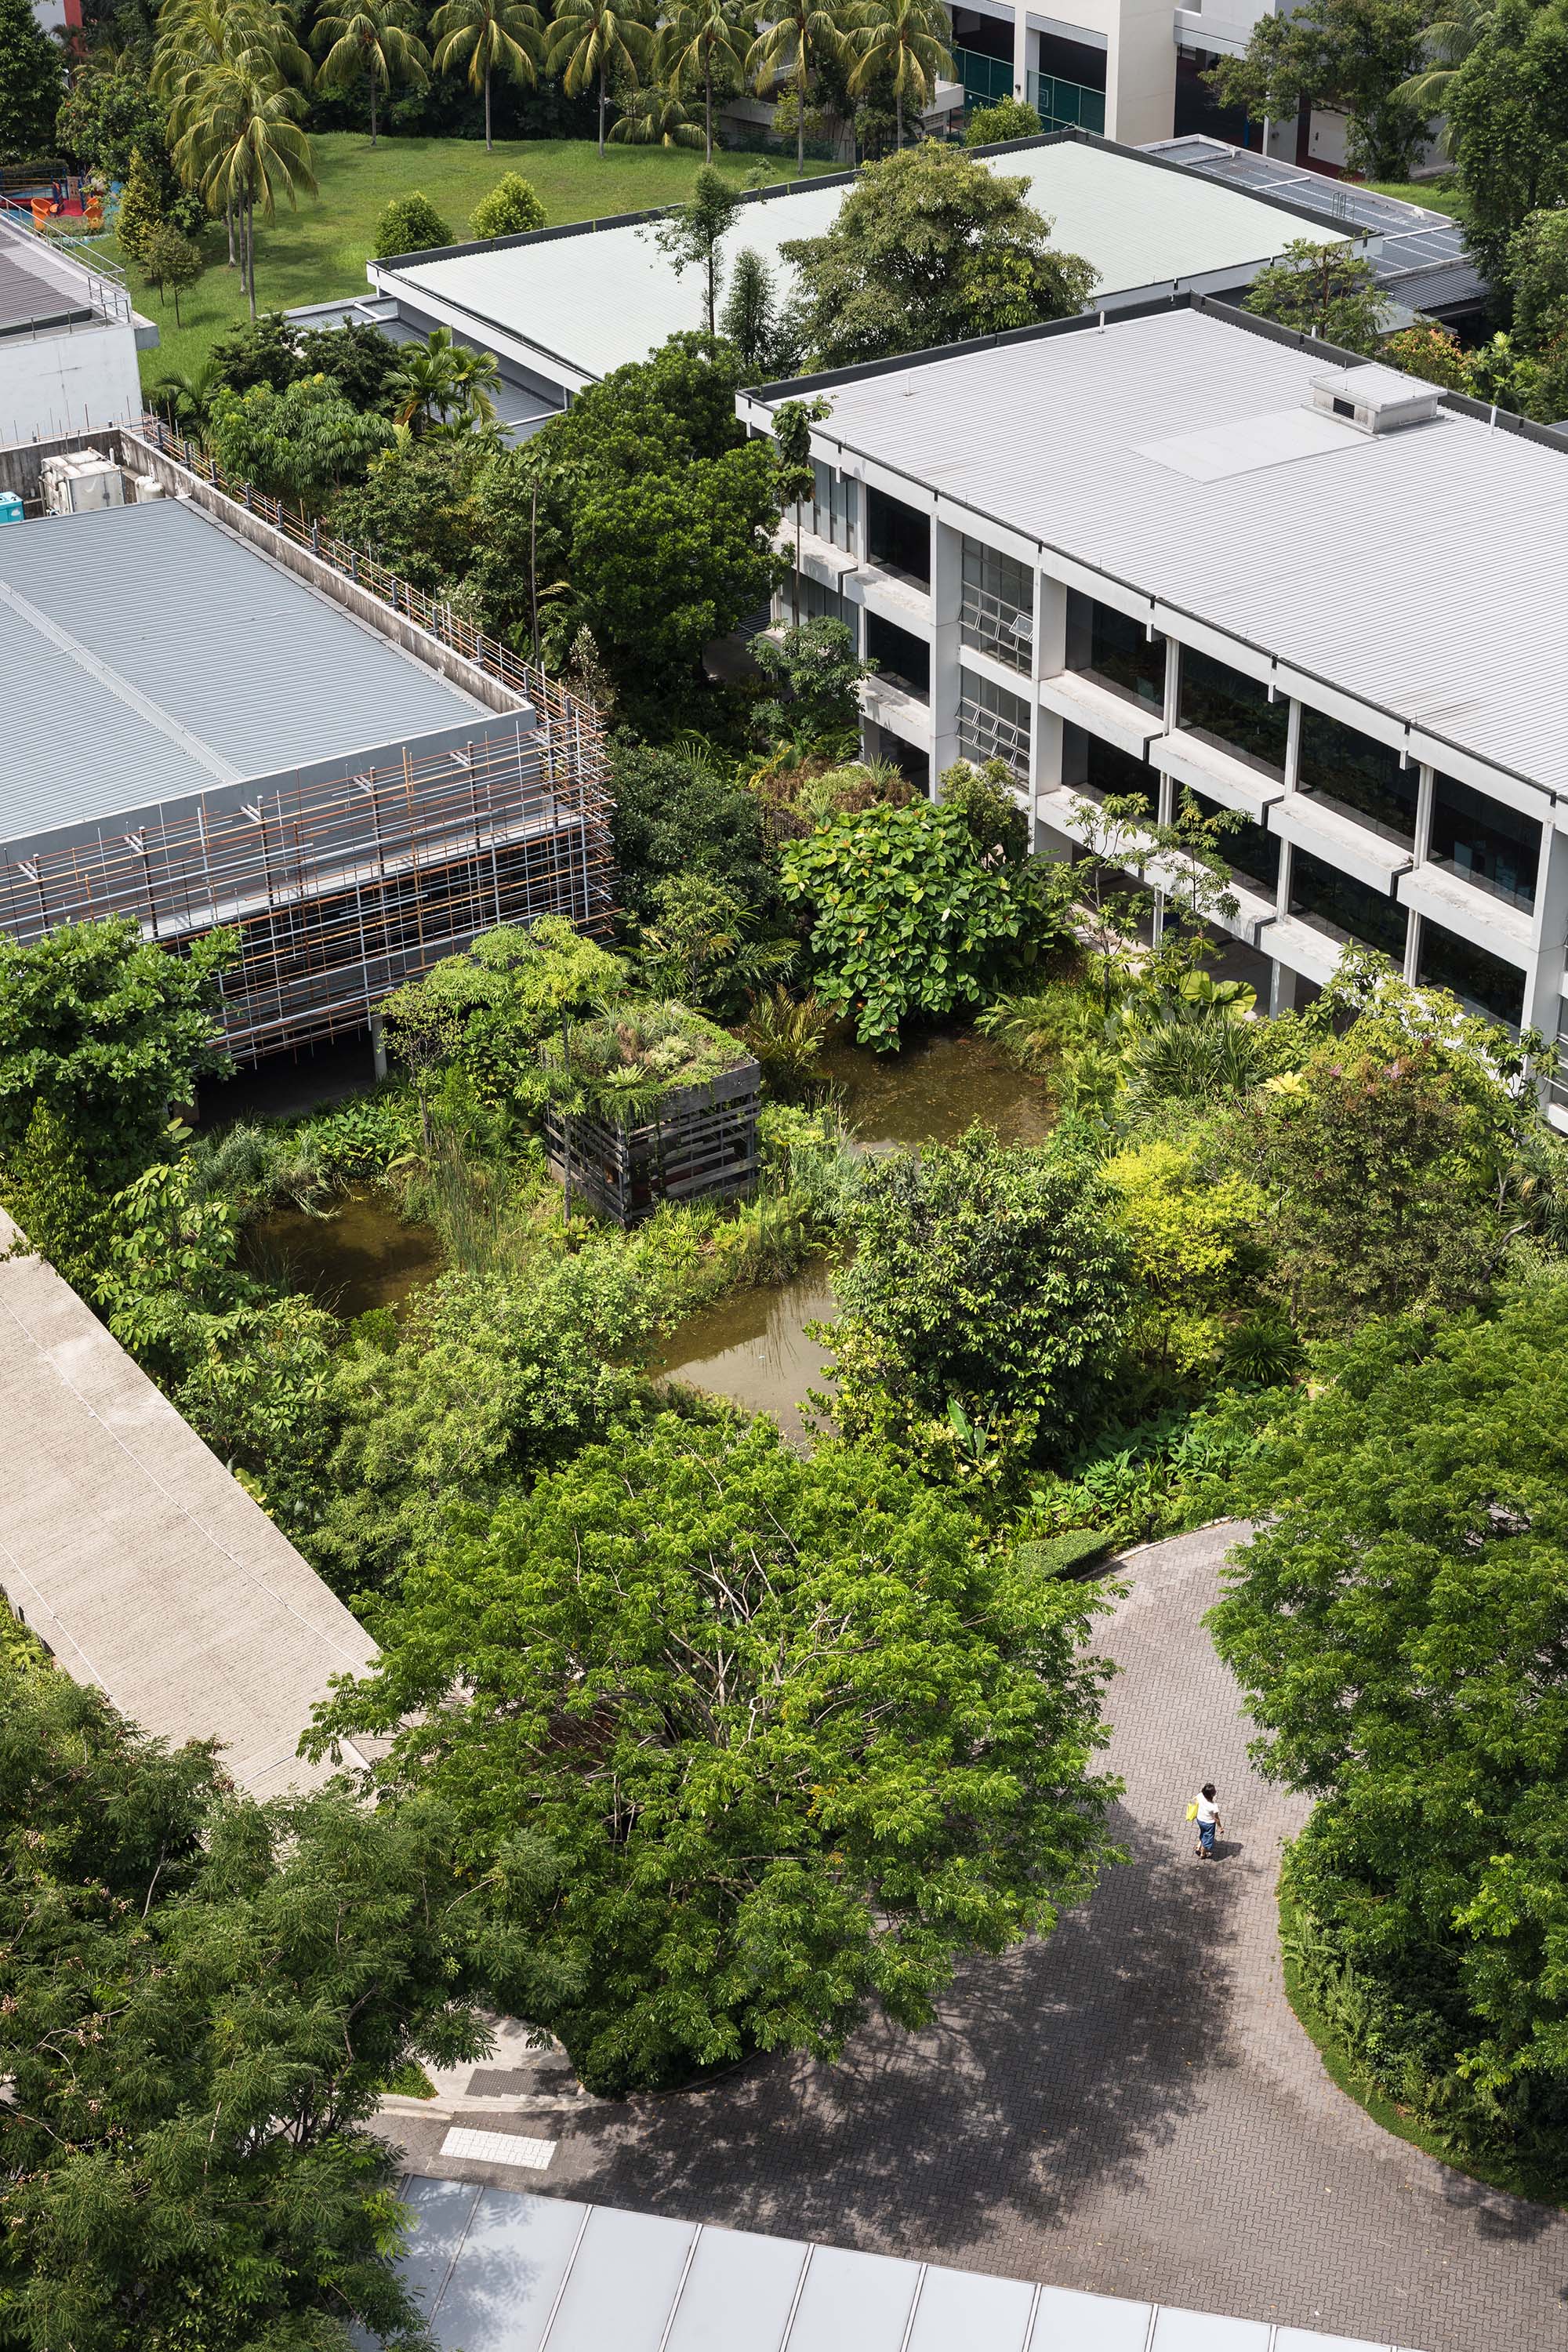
1129	2108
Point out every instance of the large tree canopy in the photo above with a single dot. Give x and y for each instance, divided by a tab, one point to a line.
1507	124
205	2000
748	1741
931	247
1400	1626
1353	54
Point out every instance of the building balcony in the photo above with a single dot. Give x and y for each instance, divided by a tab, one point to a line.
889	703
1193	760
1493	923
1353	848
1081	700
896	597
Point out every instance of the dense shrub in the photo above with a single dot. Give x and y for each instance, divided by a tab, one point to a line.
410	223
510	209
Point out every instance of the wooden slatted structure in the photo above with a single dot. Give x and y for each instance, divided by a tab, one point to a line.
701	1145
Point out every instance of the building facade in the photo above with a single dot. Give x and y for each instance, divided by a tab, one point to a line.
1189	553
68	341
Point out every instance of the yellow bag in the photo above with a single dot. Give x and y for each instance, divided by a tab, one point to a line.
1193	1811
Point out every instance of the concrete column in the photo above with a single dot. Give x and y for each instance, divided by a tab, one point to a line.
1411	946
1284	988
1543	1007
378	1044
1020	51
946	612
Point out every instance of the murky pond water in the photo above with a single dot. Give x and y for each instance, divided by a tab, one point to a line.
934	1089
362	1255
753	1346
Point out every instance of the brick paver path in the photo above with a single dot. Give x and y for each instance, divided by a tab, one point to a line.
1130	2106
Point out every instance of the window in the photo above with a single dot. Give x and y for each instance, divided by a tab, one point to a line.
829	511
1348	772
1251	851
993	724
903	660
1116	652
998	605
897	537
1095	768
1482	983
1487	843
1220	706
1343	908
816	603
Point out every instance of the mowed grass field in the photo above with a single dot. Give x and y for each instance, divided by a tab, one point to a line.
320	251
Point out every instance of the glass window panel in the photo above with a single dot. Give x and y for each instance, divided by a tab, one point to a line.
1490	844
1343	908
992	723
1222	707
904	660
1250	850
1483	984
1116	651
1096	768
998	610
897	537
1348	772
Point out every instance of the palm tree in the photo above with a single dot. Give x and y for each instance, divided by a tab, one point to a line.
591	39
373	38
196	35
1447	41
655	118
184	395
788	48
699	35
906	39
243	141
491	36
442	387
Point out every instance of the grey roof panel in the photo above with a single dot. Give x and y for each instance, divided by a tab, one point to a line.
965	2311
236	655
740	2288
1070	2321
1423	571
442	2212
850	2303
623	2282
1204	2331
517	2253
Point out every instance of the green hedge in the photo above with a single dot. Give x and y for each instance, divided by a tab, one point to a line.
1069	1554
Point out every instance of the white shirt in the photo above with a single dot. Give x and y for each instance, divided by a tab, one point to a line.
1207	1811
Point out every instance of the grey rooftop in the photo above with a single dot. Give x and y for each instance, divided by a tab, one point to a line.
598	298
129	1550
495	2271
1423	571
147	656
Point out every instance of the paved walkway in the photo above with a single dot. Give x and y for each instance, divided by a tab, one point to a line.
1129	2108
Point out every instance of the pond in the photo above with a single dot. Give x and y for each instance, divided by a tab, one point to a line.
934	1089
753	1347
362	1255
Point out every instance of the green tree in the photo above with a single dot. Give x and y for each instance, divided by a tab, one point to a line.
989	126
170	261
375	41
108	1034
489	37
659	511
441	386
799	36
141	208
206	1999
511	208
931	247
750	1741
32	85
654	117
1538	280
410	223
257	351
749	319
683	813
302	444
704	41
909	916
241	141
815	675
415	510
1429	350
1357	54
1507	125
903	45
691	233
356	358
47	1190
1446	43
593	42
1326	290
1401	1154
698	945
986	1303
1399	1623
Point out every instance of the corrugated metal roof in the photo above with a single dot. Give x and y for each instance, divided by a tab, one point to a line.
1425	571
144	652
495	2271
599	299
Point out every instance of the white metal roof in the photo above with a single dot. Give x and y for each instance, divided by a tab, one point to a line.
146	655
1423	571
602	297
494	2270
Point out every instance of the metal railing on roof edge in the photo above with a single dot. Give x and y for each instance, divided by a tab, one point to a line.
434	615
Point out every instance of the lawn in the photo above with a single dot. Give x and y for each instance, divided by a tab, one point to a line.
320	251
1439	195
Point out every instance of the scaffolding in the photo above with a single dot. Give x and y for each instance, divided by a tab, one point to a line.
340	888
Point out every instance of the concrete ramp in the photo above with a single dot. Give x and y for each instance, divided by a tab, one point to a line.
127	1547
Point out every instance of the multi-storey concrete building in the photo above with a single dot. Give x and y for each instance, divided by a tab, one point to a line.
1186	549
68	341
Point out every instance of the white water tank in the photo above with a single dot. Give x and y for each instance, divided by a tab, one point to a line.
81	482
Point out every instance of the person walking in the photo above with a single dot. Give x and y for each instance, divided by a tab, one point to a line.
1206	1815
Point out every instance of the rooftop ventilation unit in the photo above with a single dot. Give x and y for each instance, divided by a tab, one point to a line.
1374	399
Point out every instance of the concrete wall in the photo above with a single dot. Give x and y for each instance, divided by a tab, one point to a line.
56	383
149	1572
